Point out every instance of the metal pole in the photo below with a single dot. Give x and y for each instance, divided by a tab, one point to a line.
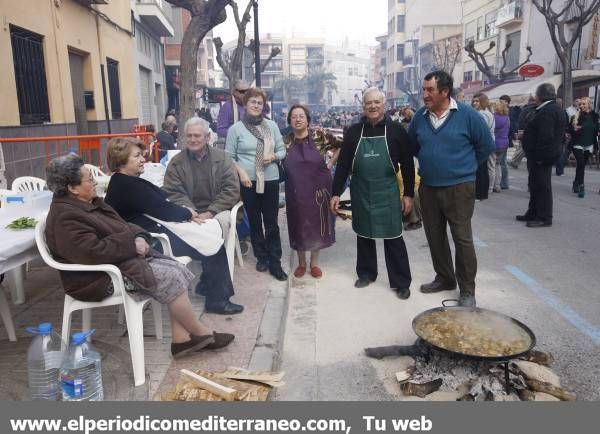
105	99
256	45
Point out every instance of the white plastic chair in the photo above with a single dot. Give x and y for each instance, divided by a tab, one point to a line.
96	172
28	183
232	244
133	309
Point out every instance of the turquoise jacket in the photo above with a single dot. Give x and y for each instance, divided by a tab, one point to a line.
241	145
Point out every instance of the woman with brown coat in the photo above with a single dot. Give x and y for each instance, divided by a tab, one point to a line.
82	229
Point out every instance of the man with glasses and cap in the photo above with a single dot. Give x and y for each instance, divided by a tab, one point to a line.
233	110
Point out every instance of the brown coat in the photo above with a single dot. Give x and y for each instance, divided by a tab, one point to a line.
78	232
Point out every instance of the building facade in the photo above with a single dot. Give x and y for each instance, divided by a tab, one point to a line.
519	22
351	64
57	61
153	21
205	70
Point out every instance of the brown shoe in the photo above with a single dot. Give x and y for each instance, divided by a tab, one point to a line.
436	286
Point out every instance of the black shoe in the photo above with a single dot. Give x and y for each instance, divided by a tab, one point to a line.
194	344
436	286
466	300
538	224
261	266
278	273
403	293
221	340
413	226
224	308
523	218
363	282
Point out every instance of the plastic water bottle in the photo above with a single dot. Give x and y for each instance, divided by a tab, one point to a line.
44	358
81	373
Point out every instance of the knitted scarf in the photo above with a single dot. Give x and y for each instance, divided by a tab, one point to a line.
265	145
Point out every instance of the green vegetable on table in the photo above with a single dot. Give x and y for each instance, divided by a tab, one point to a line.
22	223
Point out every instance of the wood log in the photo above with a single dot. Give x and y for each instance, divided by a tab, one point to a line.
537	372
526	395
420	390
227	393
395	350
559	392
540	357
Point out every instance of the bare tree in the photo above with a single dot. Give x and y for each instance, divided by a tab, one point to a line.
565	23
488	70
446	53
206	14
231	63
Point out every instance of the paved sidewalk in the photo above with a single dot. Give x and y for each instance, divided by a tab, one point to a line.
256	329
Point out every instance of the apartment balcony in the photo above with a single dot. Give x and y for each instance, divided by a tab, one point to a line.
156	14
510	14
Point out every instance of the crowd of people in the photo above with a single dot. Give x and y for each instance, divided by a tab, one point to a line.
461	150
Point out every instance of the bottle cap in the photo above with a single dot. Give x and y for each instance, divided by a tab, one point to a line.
79	338
43	329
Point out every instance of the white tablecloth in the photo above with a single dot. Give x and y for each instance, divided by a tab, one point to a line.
18	246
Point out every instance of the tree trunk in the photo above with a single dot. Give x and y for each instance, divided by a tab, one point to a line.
567	79
198	28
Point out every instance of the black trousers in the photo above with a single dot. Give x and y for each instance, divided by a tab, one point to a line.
262	210
482	181
581	157
396	261
540	191
215	282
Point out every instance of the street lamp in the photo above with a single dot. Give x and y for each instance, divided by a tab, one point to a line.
256	45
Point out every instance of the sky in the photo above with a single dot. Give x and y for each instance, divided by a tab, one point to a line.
332	19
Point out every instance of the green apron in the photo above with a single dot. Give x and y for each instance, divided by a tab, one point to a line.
376	206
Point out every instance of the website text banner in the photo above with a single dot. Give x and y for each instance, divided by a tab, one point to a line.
303	417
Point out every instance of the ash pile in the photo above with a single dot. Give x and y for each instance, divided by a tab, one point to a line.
432	374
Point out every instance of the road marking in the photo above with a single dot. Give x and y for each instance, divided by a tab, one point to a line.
565	311
478	242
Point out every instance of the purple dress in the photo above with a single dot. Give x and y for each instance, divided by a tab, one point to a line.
307	195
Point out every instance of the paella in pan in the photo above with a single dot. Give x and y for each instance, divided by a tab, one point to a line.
474	332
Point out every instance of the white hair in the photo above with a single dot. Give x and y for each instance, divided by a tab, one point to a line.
374	89
197	121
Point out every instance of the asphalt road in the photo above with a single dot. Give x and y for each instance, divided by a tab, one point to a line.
547	278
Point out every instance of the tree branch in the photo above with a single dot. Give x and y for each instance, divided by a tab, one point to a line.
274	52
222	63
185	4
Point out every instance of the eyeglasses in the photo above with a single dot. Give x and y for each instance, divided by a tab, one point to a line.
242	91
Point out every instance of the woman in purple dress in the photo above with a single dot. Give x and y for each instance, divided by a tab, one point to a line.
307	193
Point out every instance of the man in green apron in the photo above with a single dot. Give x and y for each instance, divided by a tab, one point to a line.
372	151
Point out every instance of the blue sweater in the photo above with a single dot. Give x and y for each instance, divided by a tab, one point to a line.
450	155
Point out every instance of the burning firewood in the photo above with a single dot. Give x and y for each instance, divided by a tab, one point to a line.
420	390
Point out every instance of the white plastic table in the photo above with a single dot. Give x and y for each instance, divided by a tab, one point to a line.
18	247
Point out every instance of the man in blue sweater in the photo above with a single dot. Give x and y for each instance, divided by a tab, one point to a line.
453	140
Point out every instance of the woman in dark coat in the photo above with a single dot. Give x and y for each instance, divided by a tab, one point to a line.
132	197
583	128
307	194
82	229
